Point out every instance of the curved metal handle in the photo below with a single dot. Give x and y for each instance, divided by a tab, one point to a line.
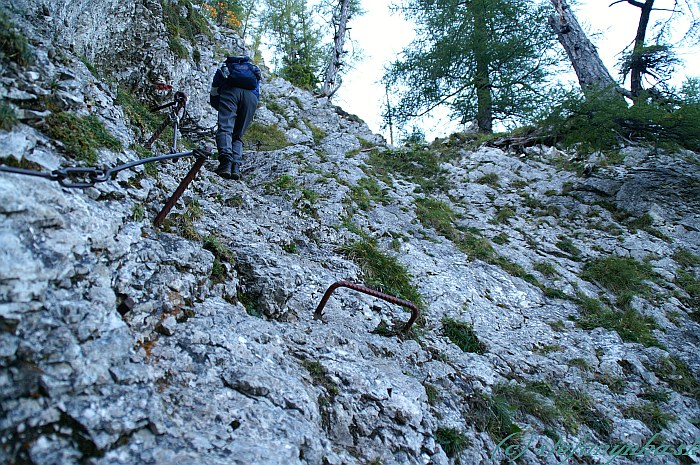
365	290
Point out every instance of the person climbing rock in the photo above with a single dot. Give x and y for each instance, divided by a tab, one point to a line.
235	91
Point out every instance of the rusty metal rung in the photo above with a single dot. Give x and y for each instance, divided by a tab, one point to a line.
374	293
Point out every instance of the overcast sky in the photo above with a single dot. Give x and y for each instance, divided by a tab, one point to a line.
382	35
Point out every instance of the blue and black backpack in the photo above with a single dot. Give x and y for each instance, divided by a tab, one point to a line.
236	71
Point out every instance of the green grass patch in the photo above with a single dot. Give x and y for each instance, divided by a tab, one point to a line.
566	245
629	325
138	114
81	135
686	259
651	415
418	165
546	269
619	275
576	407
265	138
366	191
452	441
489	179
13	44
8	117
222	254
381	271
436	214
320	377
463	336
282	184
504	214
183	27
678	375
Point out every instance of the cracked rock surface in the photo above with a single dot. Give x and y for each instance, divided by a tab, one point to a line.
195	342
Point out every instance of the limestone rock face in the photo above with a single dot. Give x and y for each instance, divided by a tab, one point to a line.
195	342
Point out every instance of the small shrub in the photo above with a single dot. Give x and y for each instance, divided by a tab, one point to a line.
81	136
463	336
138	213
8	118
185	27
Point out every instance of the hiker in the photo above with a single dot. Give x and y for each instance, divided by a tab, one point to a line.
235	91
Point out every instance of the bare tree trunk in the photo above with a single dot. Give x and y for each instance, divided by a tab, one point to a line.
637	62
331	83
592	74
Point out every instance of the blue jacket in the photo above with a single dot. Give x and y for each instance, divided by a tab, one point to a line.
235	72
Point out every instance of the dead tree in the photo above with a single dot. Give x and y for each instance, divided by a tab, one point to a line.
592	74
332	81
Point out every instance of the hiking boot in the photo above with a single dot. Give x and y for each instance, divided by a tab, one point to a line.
236	171
224	169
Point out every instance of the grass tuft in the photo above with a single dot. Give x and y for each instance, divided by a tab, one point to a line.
81	135
463	336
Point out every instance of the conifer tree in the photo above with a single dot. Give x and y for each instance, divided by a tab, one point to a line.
297	41
486	60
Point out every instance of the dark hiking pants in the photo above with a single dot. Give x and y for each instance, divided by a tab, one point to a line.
236	110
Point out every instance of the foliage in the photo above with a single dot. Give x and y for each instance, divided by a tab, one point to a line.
463	336
678	375
265	138
417	164
381	271
224	12
484	59
620	275
297	40
81	135
630	326
8	118
651	415
13	45
183	27
451	440
436	214
597	123
139	115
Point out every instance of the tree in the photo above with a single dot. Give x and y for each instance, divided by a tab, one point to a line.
655	61
343	11
593	76
297	41
484	59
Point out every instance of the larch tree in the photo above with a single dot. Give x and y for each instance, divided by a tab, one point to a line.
297	41
486	60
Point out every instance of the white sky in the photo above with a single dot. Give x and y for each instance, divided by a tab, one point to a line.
382	35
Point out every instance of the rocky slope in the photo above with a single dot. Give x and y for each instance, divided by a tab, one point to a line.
557	310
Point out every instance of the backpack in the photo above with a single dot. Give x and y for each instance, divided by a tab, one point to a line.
234	72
